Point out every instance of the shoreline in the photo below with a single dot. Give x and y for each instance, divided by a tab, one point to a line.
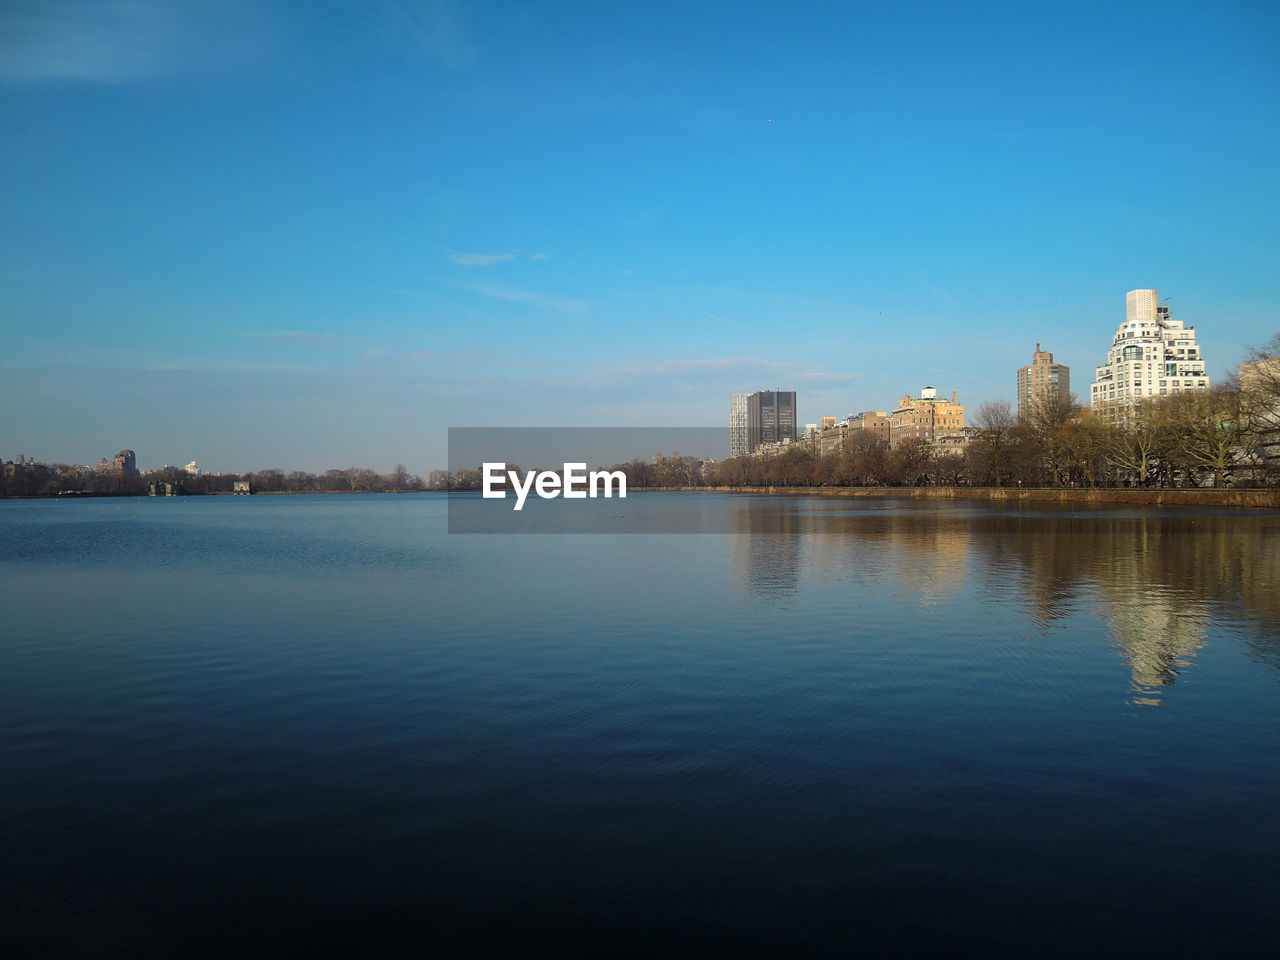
1258	498
1255	498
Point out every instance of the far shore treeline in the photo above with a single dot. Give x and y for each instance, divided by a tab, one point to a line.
51	480
1228	436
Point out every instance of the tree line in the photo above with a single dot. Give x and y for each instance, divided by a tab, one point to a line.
60	479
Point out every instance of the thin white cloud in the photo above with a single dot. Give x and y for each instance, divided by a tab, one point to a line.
539	256
480	259
512	295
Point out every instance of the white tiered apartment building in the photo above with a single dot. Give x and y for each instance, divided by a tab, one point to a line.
1152	356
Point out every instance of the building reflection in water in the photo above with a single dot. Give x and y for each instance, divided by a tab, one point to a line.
1158	632
1158	579
1155	579
764	550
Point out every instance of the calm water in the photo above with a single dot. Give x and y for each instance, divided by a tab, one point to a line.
278	725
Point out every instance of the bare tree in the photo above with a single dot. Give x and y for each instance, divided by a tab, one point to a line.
1260	405
1210	429
1134	441
914	459
1080	448
996	423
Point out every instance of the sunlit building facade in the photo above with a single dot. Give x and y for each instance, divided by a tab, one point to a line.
925	417
1260	382
875	422
1151	356
1041	383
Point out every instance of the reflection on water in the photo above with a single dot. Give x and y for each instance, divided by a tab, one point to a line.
1159	635
1154	578
765	549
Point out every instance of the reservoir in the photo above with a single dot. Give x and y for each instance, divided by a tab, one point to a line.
306	724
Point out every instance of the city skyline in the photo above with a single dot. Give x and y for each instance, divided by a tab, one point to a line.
1033	384
272	236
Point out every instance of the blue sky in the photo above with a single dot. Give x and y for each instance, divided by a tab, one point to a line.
318	234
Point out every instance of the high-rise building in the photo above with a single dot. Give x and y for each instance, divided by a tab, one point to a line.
1042	383
738	445
925	417
771	417
1151	356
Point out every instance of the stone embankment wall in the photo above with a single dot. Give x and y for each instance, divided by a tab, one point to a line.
1266	498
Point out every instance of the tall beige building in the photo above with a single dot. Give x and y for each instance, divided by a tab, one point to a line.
1042	382
925	417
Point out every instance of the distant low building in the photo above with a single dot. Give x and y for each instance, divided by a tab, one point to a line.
767	450
956	441
874	422
1260	382
241	487
124	464
830	442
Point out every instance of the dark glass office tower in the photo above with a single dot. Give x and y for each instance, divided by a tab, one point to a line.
771	416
